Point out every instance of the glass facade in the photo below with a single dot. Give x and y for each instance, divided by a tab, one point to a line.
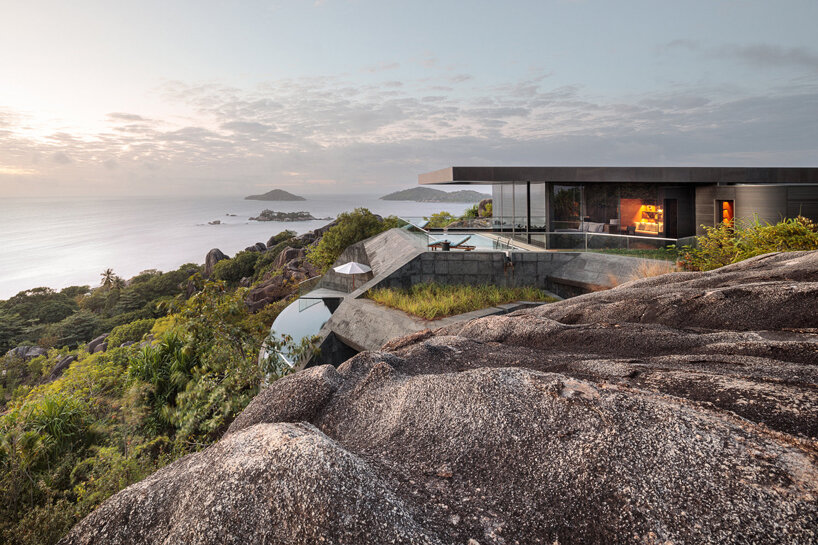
566	207
598	209
538	208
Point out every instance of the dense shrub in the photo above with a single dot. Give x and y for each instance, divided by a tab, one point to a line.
130	332
730	243
41	305
79	328
233	270
281	237
114	417
12	327
439	220
471	213
351	227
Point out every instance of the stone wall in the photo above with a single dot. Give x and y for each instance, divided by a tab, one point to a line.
565	273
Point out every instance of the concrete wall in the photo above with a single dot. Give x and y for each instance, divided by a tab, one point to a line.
381	252
802	201
564	273
769	203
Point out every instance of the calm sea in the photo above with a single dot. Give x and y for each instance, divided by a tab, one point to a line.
58	242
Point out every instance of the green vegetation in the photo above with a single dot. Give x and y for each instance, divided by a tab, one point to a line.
114	417
670	253
130	332
443	219
731	243
471	213
243	264
76	314
351	227
438	220
434	301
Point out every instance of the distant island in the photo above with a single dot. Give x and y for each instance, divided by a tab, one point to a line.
271	215
275	195
428	194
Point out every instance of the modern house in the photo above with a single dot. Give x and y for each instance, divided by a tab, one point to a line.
543	205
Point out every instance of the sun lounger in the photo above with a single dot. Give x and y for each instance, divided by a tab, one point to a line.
459	245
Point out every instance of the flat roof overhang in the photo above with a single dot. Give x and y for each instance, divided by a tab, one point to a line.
668	175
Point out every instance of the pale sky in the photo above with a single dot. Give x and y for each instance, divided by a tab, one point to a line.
228	97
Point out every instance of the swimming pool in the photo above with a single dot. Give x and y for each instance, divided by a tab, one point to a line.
480	242
302	318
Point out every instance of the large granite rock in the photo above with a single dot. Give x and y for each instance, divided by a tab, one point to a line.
584	421
270	483
27	352
98	344
213	256
280	283
286	255
482	208
60	367
257	247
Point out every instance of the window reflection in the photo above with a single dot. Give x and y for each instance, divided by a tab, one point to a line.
566	201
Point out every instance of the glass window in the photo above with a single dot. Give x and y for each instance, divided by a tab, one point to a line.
640	212
520	207
538	206
602	208
566	202
497	206
508	205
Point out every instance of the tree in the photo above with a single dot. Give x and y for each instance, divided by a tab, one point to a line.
107	278
11	327
440	219
351	227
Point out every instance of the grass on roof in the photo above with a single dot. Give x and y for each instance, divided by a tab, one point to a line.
435	301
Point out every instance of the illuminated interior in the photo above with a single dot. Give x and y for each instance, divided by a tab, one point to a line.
727	213
641	218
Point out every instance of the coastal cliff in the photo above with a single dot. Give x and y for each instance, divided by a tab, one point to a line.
680	408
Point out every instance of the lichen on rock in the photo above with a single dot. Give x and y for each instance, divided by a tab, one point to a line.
678	409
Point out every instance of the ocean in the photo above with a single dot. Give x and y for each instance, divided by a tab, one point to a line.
59	242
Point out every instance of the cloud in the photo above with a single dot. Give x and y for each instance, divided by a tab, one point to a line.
460	78
766	55
381	67
759	54
248	127
119	116
61	158
328	129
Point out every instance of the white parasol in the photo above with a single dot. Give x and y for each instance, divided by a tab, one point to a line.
352	268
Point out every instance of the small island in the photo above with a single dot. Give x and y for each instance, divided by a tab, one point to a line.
428	194
275	195
271	215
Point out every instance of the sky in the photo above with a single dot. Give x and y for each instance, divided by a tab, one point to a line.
228	97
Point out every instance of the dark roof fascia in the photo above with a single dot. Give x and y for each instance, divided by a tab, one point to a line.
675	175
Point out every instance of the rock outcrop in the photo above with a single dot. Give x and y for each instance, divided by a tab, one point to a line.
27	352
280	283
98	344
257	247
286	255
60	367
679	409
482	208
213	256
